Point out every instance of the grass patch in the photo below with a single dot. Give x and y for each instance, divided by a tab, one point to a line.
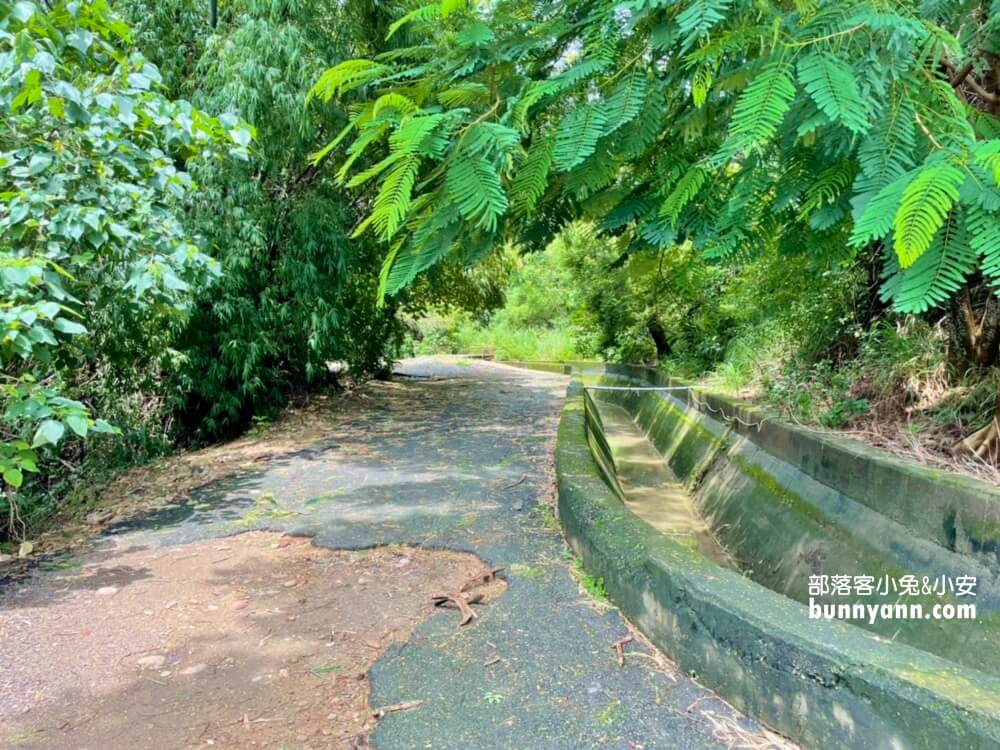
548	516
593	585
67	564
527	571
611	714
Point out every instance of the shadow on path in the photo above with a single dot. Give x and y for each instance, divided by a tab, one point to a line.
458	457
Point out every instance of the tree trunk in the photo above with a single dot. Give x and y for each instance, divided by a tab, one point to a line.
976	336
659	336
873	305
979	329
984	444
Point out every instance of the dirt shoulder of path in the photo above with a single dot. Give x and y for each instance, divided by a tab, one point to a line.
259	640
143	489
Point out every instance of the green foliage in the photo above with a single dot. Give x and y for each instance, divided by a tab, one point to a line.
543	318
937	274
682	194
895	373
475	187
832	85
697	19
582	298
749	324
297	292
531	181
759	111
591	584
578	133
741	127
96	267
923	208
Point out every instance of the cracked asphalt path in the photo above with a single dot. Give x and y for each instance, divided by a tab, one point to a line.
457	455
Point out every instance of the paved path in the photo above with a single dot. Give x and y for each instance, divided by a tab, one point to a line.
457	456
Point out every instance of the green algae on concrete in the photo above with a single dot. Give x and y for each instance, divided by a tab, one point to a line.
934	505
650	490
782	526
826	684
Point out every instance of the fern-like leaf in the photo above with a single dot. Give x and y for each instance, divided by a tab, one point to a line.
580	72
701	82
891	23
987	155
683	193
759	111
475	186
393	200
397	103
938	273
343	77
879	213
624	212
423	13
829	187
578	133
534	92
923	209
984	237
887	152
831	84
595	173
635	137
658	232
531	179
463	94
405	261
475	35
625	101
697	19
485	138
371	133
407	146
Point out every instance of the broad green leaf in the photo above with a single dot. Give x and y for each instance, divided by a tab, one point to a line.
13	477
49	432
78	424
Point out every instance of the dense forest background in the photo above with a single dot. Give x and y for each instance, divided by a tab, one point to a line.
206	205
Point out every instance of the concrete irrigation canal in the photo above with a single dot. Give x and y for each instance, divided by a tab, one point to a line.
783	506
313	600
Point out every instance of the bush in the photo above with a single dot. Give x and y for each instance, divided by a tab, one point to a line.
98	266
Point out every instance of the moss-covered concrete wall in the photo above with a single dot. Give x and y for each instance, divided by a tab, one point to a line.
826	684
783	525
956	512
